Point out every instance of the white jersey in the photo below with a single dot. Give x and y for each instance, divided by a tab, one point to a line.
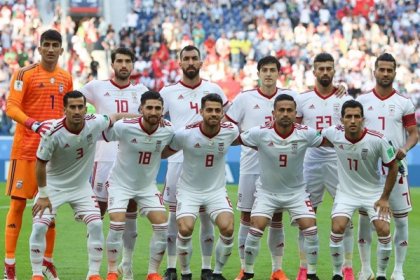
252	108
320	112
139	154
281	156
389	116
70	155
109	98
183	104
358	161
203	169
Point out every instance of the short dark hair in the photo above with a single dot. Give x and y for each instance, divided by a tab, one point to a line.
52	35
150	94
211	97
323	57
73	94
189	48
351	104
283	97
122	50
386	57
268	60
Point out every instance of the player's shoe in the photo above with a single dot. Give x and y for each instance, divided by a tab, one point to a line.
49	271
366	275
112	276
125	272
381	278
10	271
37	277
396	275
170	274
206	274
348	273
302	274
186	276
337	277
248	276
312	277
94	277
241	273
154	276
217	276
278	275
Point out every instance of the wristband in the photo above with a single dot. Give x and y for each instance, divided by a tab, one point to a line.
42	192
29	122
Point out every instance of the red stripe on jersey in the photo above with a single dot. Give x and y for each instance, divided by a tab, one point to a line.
300	126
409	120
375	133
193	125
57	128
40	159
226	125
389	163
339	127
104	136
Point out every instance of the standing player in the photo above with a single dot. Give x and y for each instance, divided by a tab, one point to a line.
203	182
252	108
141	141
182	102
116	95
358	151
63	168
319	109
393	115
281	148
35	95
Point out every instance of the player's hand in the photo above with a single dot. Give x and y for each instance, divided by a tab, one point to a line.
341	91
401	153
382	208
40	205
41	127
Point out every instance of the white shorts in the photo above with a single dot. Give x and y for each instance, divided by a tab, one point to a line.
318	177
345	206
147	201
399	199
172	175
101	170
298	205
214	203
246	191
82	200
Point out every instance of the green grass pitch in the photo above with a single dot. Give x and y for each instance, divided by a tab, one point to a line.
71	257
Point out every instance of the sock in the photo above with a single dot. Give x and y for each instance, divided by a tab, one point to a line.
383	253
113	244
206	239
348	242
302	254
172	235
252	248
311	247
95	242
184	251
37	244
224	248
13	226
129	239
275	243
400	240
336	249
50	240
242	233
157	246
365	241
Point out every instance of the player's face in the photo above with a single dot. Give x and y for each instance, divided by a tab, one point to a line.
123	65
75	110
352	120
152	111
384	73
50	51
284	113
190	64
268	75
324	72
212	113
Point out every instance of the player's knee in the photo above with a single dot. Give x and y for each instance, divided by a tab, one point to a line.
338	228
185	229
94	227
39	230
382	229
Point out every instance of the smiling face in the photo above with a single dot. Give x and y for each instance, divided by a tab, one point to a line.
212	113
385	73
122	66
50	51
190	64
152	111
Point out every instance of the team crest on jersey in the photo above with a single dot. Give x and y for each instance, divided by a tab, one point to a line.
134	97
89	139
221	147
52	80
364	154
391	109
336	108
18	85
19	184
294	148
60	88
158	145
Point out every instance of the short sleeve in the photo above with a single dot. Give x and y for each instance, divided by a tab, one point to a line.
251	137
387	152
46	147
314	137
235	113
177	140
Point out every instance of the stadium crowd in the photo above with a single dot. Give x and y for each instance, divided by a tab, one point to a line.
232	36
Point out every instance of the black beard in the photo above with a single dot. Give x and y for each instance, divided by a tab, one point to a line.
191	74
325	82
384	85
122	77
